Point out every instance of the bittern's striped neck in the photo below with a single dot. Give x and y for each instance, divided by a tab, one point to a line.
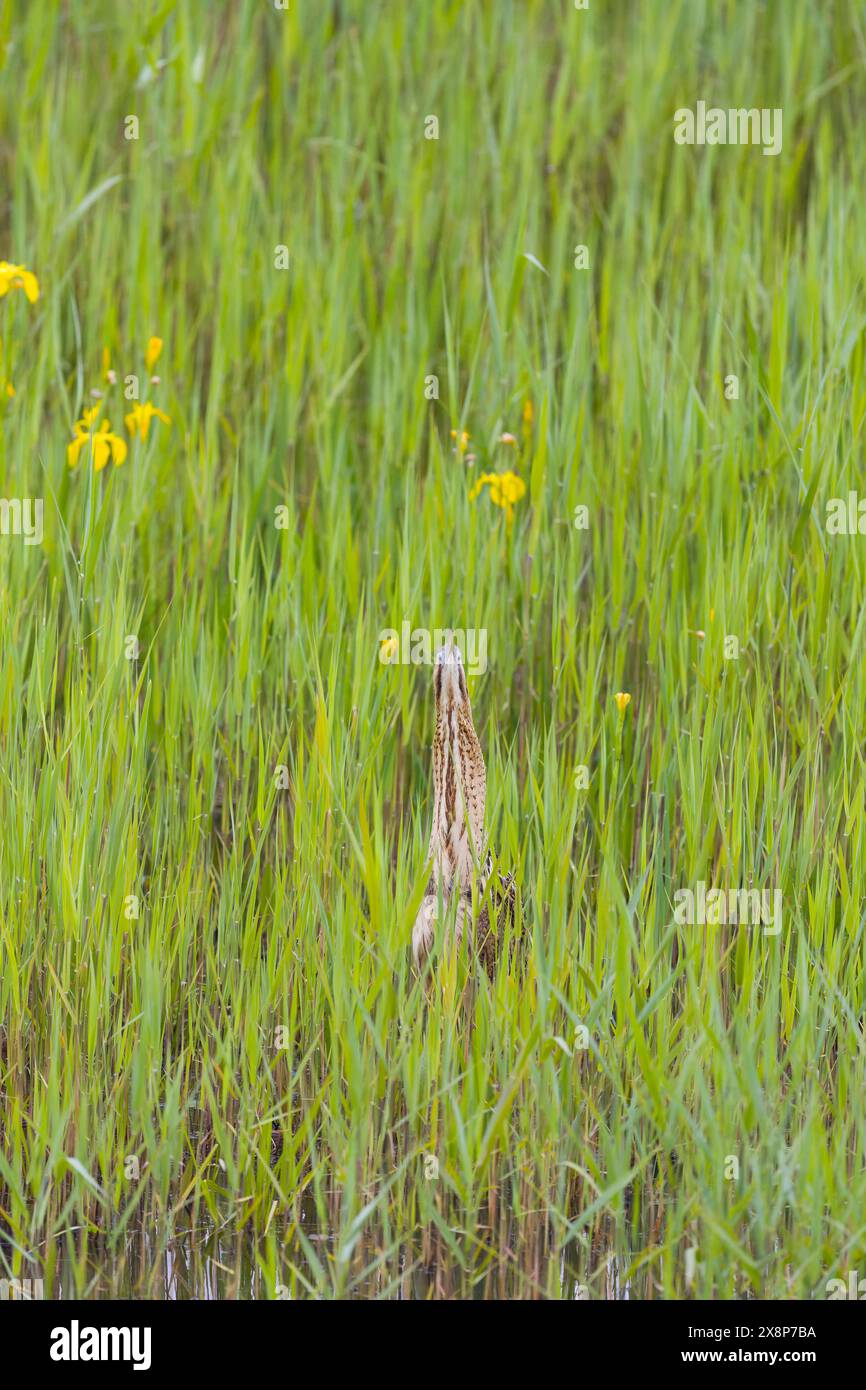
459	791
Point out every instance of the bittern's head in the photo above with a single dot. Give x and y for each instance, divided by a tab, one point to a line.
449	677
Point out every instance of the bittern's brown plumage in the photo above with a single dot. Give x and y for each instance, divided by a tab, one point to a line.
458	847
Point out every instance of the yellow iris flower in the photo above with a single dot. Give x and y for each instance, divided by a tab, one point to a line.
623	700
139	418
505	490
105	444
18	277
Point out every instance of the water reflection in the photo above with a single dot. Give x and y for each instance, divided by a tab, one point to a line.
214	1262
487	1254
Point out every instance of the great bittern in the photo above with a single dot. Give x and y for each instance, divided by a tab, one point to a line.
458	848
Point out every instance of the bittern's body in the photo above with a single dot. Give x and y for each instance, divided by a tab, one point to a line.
458	851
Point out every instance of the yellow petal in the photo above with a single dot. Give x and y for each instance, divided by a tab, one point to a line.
101	452
73	449
118	449
8	277
151	356
31	285
513	487
623	699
